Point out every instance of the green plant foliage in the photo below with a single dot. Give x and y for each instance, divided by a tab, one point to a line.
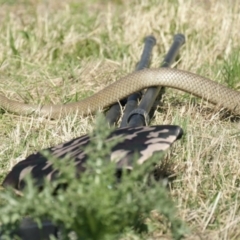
96	206
231	70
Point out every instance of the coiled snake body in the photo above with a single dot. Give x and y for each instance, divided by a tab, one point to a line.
173	78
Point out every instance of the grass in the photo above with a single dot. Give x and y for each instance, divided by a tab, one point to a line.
61	52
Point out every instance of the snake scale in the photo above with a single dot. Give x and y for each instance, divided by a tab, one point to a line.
182	80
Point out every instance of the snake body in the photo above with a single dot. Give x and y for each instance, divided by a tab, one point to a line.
182	80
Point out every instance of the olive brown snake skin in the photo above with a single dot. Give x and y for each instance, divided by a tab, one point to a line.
188	82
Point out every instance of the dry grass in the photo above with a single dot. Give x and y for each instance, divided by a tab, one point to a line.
60	52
